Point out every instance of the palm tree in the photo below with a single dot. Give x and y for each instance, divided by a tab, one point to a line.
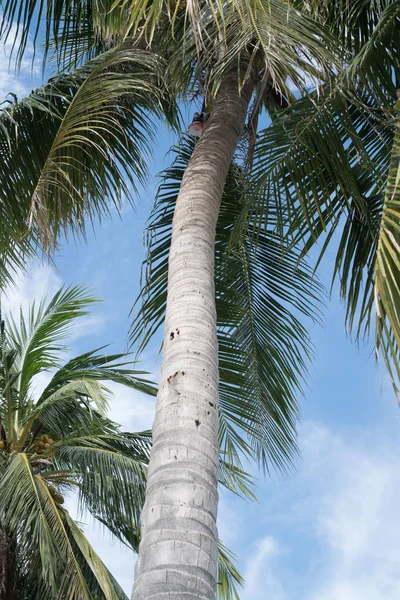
60	441
179	539
178	550
232	53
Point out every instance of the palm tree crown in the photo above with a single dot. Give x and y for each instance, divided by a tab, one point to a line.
57	442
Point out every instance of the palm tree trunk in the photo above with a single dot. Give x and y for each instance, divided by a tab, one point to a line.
7	567
178	552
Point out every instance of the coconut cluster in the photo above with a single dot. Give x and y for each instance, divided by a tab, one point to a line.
43	444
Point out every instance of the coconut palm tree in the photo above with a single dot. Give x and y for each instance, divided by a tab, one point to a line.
228	51
239	57
59	441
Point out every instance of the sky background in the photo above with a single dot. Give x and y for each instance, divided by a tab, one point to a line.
330	530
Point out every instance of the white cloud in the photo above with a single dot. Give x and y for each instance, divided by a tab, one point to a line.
22	82
39	280
133	410
41	381
331	532
261	581
86	326
358	521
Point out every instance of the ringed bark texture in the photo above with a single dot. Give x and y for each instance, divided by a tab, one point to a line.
178	552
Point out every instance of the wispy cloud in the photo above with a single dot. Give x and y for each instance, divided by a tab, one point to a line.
132	409
87	326
335	526
21	81
259	573
358	521
40	280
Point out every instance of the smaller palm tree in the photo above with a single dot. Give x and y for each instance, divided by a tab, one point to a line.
62	441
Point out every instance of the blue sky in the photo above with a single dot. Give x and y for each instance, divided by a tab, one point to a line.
330	531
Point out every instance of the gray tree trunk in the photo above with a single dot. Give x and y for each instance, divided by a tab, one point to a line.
178	552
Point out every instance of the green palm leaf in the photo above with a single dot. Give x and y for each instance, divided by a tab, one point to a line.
59	25
95	129
229	578
325	166
37	339
284	32
387	266
112	468
29	509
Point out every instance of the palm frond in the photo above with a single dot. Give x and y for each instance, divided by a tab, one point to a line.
76	406
277	29
387	267
375	59
112	472
292	47
229	578
325	166
264	23
76	398
60	25
93	569
261	292
95	127
236	479
113	479
352	23
63	442
37	337
29	509
96	365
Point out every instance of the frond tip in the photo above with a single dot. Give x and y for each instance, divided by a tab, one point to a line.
229	578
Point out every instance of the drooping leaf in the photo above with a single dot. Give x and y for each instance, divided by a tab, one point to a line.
325	166
95	126
229	578
261	292
387	266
